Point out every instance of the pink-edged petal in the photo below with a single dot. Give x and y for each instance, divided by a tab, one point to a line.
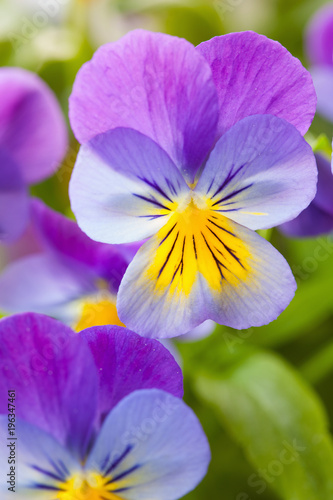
220	271
156	84
151	446
65	239
32	127
319	36
323	82
256	75
261	173
127	362
14	201
123	187
54	376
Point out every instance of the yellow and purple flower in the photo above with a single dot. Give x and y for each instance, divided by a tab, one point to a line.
33	140
66	274
195	149
98	415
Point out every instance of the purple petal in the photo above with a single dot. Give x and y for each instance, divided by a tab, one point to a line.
42	283
323	82
14	201
154	83
319	36
117	192
42	464
153	446
317	218
64	237
255	75
127	362
32	127
261	173
54	376
222	271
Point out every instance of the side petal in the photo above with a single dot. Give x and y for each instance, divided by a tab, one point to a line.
14	201
41	283
215	269
319	36
261	173
117	192
42	465
32	126
323	82
156	84
151	446
54	376
127	362
64	238
312	222
255	75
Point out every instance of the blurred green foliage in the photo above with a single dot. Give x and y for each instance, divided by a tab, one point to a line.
251	390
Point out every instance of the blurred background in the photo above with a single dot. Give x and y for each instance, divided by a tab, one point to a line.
264	395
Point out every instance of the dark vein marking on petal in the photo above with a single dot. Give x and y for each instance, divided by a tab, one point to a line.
168	257
217	261
117	461
228	179
152	201
231	195
168	234
155	186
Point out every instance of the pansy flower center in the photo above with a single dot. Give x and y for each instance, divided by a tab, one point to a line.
97	310
91	486
197	238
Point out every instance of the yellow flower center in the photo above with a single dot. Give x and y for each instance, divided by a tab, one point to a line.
98	310
91	486
198	239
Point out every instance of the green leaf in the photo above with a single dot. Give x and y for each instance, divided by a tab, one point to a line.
280	424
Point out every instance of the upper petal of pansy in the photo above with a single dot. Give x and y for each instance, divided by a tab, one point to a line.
256	75
261	173
127	362
319	36
156	84
43	466
32	127
201	266
54	376
14	201
124	187
151	446
323	81
64	237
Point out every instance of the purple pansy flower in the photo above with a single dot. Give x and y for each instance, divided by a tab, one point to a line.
33	140
68	276
194	148
98	415
319	48
317	218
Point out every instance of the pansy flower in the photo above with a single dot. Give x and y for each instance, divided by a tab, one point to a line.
33	140
317	218
194	148
319	48
98	415
67	275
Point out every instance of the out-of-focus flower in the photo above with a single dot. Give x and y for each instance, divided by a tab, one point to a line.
98	414
33	140
66	275
317	218
149	110
319	48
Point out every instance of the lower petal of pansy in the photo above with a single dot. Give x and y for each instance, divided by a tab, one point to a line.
261	173
201	266
42	466
150	446
124	187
